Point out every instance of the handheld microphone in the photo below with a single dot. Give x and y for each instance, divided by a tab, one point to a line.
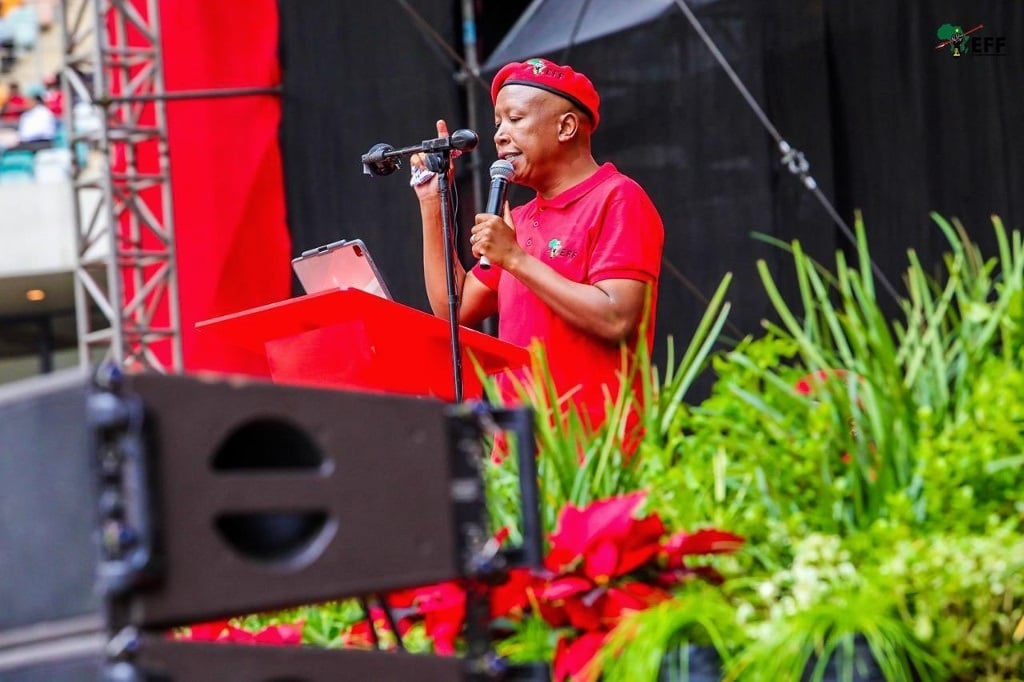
501	172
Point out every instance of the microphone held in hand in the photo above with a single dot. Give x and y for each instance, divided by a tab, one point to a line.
501	172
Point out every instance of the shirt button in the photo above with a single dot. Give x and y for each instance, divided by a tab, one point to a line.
536	223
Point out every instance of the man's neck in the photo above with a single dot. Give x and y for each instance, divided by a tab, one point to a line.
572	174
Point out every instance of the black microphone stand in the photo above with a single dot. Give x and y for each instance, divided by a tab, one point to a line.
440	162
383	159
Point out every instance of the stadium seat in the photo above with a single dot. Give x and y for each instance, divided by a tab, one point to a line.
17	166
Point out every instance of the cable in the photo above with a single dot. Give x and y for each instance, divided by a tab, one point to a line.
793	159
439	39
575	31
692	288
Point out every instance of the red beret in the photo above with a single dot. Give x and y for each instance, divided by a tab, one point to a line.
546	75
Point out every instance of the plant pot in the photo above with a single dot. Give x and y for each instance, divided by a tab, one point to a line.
691	663
865	667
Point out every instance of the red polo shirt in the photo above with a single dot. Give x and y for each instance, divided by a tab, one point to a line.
606	227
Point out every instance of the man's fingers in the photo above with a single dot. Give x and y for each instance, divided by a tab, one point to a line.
442	128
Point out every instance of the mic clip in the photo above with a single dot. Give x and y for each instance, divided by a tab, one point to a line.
383	159
378	160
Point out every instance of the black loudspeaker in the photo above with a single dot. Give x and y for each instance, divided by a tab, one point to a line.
270	496
51	627
153	502
164	661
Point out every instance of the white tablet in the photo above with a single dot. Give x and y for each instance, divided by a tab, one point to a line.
344	264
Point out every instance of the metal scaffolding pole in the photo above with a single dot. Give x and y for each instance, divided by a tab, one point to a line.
126	282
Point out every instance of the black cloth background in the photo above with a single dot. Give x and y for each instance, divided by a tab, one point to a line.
890	125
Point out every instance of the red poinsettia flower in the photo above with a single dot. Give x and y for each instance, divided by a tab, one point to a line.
589	607
574	659
443	607
604	538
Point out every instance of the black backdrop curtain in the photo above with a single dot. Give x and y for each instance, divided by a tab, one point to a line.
890	125
354	74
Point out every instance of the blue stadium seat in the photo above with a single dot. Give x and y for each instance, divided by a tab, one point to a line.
17	166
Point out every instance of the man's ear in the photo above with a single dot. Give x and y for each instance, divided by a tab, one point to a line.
568	126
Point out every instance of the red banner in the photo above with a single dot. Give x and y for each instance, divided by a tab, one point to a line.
227	188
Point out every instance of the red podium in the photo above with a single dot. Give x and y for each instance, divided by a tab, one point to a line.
347	338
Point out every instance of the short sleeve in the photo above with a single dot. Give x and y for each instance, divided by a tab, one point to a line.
630	240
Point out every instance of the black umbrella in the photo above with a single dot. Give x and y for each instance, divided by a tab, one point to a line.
548	26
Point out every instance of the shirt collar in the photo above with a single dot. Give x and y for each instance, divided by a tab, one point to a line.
563	199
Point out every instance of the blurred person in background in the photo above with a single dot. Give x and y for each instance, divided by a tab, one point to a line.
53	95
15	105
37	128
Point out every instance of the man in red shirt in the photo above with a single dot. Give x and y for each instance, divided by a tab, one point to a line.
571	268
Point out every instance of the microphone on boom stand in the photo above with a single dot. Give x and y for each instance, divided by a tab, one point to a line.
383	159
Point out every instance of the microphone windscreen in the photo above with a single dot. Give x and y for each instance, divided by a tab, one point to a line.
502	169
464	140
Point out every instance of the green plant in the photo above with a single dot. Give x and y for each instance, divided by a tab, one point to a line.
848	452
699	616
806	640
839	423
963	595
874	466
972	469
578	464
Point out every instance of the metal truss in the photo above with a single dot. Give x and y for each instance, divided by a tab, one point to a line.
126	282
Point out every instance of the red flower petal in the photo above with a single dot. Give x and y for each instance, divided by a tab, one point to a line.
603	518
205	632
601	534
601	561
444	632
707	541
562	559
627	597
583	613
444	608
641	544
614	516
512	598
280	635
563	588
236	635
357	636
810	383
575	660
